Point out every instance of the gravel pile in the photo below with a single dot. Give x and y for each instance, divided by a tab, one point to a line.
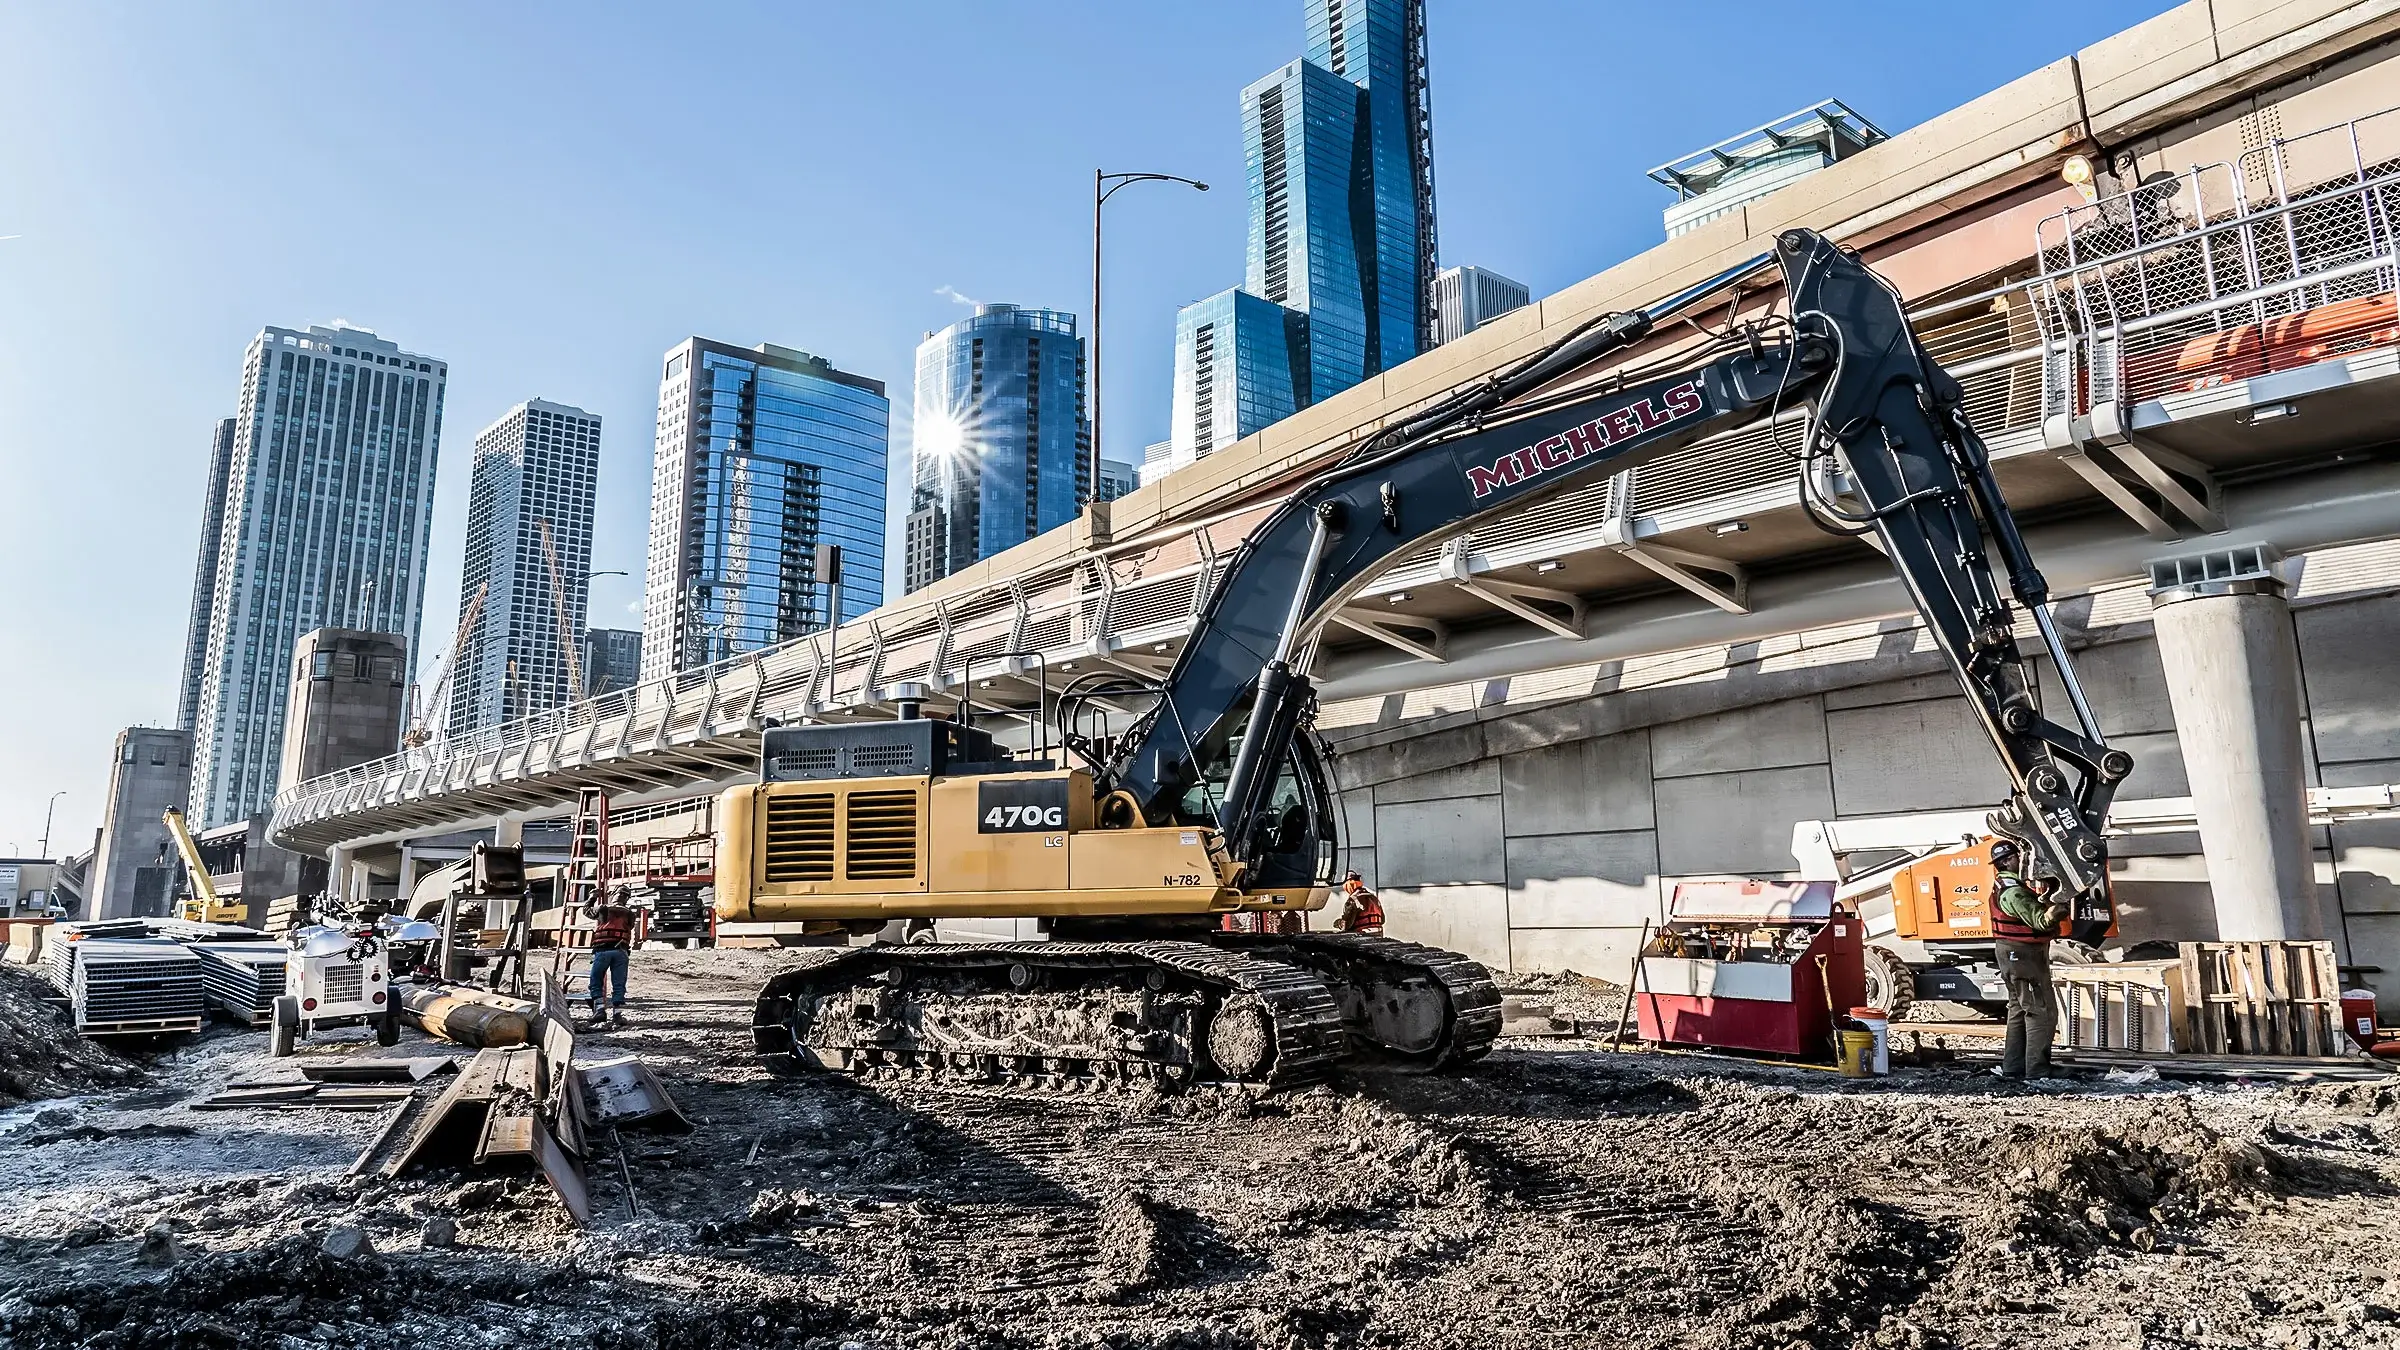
40	1055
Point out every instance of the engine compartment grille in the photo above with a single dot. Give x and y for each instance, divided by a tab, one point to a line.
883	835
345	984
799	837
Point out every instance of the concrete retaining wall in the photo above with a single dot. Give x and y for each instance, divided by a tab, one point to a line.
1540	834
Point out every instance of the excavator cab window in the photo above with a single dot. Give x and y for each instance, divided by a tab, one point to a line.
1300	838
1297	841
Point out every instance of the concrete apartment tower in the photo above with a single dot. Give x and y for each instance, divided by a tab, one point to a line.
1002	443
1340	277
348	699
133	872
1467	298
763	453
324	509
1116	479
529	551
204	573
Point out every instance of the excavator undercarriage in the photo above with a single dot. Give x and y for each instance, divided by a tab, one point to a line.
1273	1012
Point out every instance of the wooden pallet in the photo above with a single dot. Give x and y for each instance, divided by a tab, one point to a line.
2263	998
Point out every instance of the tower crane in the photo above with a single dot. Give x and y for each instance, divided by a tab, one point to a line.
436	717
558	607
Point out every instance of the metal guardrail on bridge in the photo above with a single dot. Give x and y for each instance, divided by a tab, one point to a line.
2224	272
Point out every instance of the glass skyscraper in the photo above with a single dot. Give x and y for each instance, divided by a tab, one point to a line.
612	659
322	514
529	511
1379	45
762	454
1340	168
1240	364
1002	448
1304	141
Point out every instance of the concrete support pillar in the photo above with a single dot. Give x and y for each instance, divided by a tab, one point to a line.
2233	675
337	873
362	883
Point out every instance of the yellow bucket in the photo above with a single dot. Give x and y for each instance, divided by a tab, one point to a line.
1858	1053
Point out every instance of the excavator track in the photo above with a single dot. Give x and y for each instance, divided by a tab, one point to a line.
1064	1015
1404	1006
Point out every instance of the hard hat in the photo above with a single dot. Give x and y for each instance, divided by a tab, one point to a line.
1353	876
2002	850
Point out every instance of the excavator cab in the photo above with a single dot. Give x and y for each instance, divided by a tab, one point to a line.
1298	842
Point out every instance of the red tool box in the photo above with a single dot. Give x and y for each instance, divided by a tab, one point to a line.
1752	965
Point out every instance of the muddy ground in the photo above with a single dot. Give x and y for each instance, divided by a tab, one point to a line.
1556	1195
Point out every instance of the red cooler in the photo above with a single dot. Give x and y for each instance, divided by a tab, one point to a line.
2358	1015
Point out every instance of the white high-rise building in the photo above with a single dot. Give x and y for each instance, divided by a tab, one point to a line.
327	501
529	552
1467	298
204	579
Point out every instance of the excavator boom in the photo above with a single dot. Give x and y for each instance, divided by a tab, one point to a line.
204	906
1883	412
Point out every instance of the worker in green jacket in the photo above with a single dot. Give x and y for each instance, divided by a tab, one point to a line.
2023	921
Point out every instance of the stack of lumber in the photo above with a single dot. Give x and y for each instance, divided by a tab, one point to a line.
284	914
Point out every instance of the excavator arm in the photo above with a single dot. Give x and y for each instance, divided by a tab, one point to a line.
1880	407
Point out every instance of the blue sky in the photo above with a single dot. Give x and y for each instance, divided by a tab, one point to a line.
549	196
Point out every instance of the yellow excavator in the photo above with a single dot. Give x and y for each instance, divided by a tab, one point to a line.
200	903
1215	801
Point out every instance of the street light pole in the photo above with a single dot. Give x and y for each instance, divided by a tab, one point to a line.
47	816
577	676
1104	186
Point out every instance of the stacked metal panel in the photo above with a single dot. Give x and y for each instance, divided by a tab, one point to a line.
58	953
243	978
58	962
136	986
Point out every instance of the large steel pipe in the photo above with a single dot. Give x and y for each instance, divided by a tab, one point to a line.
464	1015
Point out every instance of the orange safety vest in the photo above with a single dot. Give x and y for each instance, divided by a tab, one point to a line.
613	929
2008	927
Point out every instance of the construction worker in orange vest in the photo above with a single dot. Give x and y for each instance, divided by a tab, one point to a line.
1361	911
612	950
2024	919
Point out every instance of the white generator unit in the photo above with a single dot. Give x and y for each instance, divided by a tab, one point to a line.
335	976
